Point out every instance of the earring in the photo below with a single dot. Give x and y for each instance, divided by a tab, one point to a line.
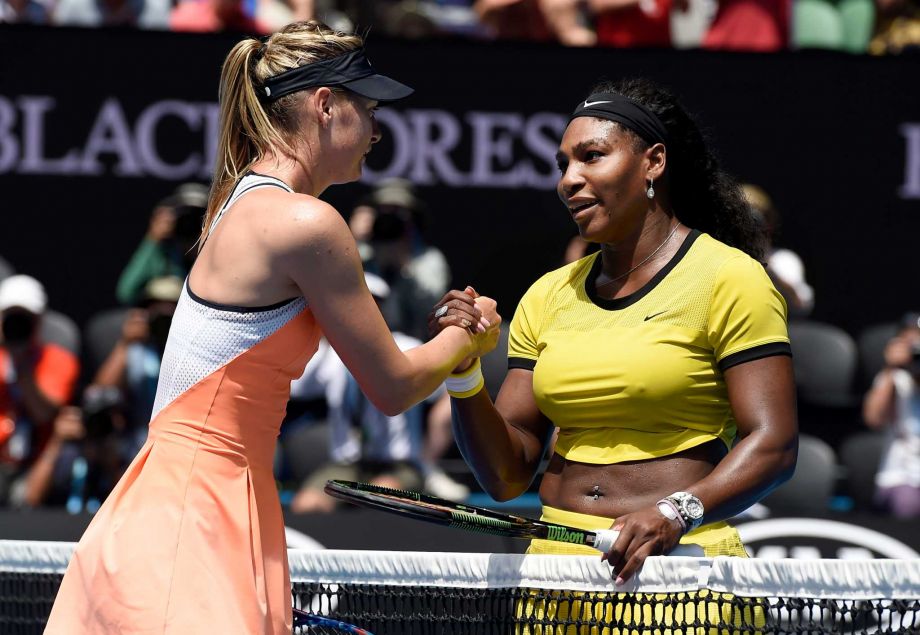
650	192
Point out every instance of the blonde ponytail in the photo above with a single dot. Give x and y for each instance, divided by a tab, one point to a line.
248	130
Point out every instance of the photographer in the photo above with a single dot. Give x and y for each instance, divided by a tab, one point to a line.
893	403
36	377
168	248
85	456
133	366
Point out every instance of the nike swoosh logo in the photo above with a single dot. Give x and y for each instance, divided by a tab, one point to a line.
588	104
649	317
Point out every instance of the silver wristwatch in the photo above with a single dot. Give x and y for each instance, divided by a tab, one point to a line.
690	508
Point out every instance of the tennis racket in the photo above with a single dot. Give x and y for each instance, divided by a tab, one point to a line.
317	625
450	514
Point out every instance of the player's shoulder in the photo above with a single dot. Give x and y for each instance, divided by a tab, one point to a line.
300	220
711	253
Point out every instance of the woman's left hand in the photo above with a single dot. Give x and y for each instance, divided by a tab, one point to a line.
642	534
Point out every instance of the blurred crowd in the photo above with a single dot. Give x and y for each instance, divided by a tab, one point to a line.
856	26
75	402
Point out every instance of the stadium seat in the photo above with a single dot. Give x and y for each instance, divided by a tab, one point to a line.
59	329
811	486
871	342
825	360
860	455
100	335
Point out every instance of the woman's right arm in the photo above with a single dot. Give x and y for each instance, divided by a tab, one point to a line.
878	405
504	442
317	251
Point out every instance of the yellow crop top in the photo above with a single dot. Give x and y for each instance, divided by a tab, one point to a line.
641	376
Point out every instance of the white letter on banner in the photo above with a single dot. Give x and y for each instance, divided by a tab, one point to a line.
9	146
911	187
110	134
403	146
500	147
146	132
211	114
33	140
433	150
544	146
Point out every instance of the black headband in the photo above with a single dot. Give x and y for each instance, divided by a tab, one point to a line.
349	70
632	114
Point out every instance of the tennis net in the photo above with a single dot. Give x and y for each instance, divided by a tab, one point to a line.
415	593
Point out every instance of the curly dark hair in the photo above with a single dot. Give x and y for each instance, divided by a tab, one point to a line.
704	197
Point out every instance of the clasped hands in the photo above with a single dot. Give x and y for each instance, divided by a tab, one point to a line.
468	310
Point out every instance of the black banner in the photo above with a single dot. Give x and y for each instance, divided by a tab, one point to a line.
97	125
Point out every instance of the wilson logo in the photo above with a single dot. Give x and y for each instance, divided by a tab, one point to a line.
561	534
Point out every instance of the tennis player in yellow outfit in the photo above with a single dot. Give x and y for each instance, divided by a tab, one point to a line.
663	360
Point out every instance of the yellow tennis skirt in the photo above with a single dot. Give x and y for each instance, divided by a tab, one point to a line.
553	612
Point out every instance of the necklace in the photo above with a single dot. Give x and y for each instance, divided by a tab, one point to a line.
644	260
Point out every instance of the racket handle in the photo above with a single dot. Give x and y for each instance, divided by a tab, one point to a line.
604	539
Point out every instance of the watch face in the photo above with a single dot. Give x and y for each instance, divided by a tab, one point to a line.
693	507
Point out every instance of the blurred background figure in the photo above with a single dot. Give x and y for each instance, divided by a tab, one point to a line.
784	265
749	25
641	23
564	21
147	14
367	445
168	248
897	28
893	404
88	450
25	11
36	378
841	25
133	366
210	16
397	250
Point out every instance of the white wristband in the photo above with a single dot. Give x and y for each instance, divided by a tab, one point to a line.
467	383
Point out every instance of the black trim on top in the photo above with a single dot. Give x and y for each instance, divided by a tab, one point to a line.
758	352
233	307
521	362
632	298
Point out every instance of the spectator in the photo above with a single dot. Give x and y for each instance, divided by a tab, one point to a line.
749	25
24	12
416	272
784	266
843	25
85	457
209	16
168	249
893	404
36	378
627	23
133	366
148	14
367	445
540	20
897	28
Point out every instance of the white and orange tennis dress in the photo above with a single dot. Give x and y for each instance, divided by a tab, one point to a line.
191	540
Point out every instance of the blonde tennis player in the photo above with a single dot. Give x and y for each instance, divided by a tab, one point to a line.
191	541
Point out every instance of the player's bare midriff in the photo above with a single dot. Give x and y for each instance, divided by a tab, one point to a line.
621	488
